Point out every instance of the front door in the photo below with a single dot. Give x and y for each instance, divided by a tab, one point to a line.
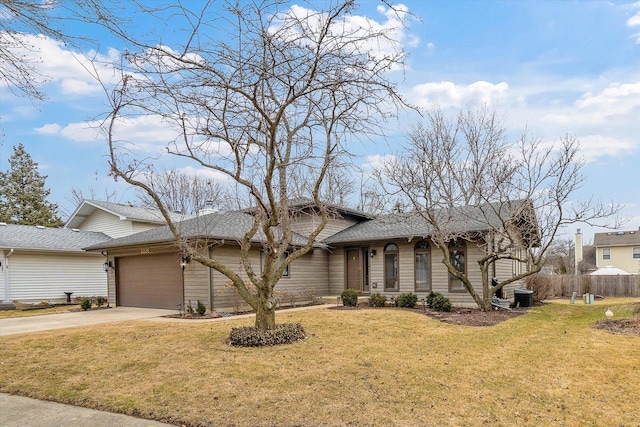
357	269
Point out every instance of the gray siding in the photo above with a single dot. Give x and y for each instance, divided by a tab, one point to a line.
305	224
197	285
308	278
336	271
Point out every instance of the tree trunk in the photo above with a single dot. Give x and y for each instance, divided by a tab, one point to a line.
265	316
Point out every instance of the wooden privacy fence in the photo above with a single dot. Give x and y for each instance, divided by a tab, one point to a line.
609	286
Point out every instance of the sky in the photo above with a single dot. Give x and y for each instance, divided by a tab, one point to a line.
552	68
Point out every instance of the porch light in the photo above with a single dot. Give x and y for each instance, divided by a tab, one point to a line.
372	253
107	265
184	261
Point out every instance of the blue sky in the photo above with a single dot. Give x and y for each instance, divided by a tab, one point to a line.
552	67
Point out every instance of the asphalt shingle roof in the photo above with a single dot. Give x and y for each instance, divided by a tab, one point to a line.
617	238
230	225
410	225
30	237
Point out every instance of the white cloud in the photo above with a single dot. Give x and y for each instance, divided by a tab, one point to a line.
206	173
375	161
76	73
449	94
50	129
594	146
634	21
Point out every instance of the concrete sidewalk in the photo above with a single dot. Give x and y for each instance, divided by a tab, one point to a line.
18	411
47	322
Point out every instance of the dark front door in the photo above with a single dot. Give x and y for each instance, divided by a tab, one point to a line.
354	269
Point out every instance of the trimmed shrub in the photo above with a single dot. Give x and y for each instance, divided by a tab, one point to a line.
85	304
201	309
430	297
407	300
100	301
377	300
249	336
440	303
349	297
541	286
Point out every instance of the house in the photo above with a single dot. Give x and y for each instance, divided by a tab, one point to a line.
619	249
390	255
39	263
116	219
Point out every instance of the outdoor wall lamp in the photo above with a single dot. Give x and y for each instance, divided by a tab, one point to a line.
372	253
107	265
184	261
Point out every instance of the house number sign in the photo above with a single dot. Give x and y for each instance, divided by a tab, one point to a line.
145	250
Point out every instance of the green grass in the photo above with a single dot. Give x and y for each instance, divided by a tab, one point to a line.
361	367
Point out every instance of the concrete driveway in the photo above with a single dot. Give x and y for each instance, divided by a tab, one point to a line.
22	325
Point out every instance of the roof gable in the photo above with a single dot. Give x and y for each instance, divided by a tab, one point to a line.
121	211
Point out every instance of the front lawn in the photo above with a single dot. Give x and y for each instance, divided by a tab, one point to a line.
358	367
24	310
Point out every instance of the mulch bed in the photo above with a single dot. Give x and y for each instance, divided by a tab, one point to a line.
622	326
457	316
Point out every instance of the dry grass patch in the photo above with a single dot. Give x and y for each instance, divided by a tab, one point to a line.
360	367
27	310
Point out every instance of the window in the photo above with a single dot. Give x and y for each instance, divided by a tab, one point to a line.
606	254
285	273
422	256
391	282
636	253
457	256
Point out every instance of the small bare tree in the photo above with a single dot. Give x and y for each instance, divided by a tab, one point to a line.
257	91
183	193
470	186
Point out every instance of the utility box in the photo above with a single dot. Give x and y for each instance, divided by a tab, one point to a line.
524	297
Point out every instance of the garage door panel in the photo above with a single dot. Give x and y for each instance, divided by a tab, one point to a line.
153	281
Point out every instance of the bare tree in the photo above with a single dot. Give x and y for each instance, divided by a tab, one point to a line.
257	92
561	255
470	186
183	193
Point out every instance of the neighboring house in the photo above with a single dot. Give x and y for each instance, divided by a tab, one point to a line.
115	219
40	263
619	249
389	255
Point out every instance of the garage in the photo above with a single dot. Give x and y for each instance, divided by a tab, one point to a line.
150	281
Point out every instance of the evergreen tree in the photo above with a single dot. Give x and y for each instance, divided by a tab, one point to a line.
23	198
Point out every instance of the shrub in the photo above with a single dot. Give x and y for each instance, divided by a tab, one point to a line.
407	300
249	336
85	304
377	300
349	297
440	303
201	308
541	286
100	301
430	297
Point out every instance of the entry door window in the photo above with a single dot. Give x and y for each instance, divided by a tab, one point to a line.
391	273
422	266
457	255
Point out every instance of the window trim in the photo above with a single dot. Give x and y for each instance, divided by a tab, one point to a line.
287	271
426	251
606	256
393	252
635	253
458	245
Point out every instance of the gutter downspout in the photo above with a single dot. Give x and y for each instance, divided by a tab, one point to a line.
7	287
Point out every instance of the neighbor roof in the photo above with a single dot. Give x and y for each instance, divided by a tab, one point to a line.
617	238
38	238
123	211
230	225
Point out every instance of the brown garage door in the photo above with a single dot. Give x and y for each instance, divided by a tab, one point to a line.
152	281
